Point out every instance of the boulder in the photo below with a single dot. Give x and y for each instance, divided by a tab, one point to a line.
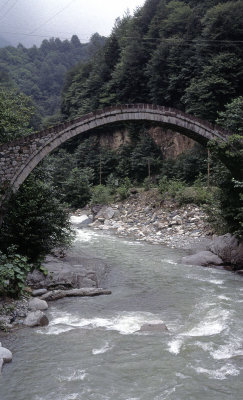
156	327
5	355
80	220
105	213
228	248
203	258
72	271
36	318
37	304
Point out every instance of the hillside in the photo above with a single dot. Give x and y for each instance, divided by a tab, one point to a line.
39	72
183	54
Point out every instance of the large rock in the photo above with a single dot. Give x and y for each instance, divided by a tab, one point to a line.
5	355
36	318
72	271
105	213
229	249
37	304
203	258
80	220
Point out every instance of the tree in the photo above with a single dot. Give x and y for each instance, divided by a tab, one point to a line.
77	187
231	153
36	222
15	115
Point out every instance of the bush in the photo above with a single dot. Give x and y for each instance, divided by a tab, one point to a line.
184	194
124	190
77	187
170	188
101	195
13	271
36	222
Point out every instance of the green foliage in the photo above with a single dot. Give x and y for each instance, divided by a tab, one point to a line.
182	193
170	188
230	180
123	191
77	187
232	117
40	72
187	166
15	115
167	54
13	271
101	195
36	222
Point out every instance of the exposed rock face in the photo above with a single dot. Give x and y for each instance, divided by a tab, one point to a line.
36	318
229	249
171	143
203	258
114	139
37	304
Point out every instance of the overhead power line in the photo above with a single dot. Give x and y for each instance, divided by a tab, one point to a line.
53	16
8	10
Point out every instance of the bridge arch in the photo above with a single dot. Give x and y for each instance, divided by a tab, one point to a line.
20	157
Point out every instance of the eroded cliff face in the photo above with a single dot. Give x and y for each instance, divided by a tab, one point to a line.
115	139
171	143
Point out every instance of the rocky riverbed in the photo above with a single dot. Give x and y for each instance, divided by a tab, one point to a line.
146	218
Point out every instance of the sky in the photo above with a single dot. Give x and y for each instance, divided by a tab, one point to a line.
31	21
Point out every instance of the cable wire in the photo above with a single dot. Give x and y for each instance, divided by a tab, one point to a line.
8	10
53	16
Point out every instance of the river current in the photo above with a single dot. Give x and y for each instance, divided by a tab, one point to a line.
93	350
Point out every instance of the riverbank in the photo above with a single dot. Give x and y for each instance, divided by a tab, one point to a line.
145	217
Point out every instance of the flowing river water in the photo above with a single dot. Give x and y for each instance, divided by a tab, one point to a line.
92	349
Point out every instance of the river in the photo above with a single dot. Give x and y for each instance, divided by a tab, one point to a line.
92	349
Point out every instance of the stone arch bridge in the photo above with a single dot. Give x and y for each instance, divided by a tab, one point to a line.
20	157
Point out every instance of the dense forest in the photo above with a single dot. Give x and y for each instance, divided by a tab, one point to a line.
184	54
39	72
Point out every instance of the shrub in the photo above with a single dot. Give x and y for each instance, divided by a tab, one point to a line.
36	222
124	190
13	271
170	188
101	195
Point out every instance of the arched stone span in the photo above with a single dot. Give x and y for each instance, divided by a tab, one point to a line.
20	157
